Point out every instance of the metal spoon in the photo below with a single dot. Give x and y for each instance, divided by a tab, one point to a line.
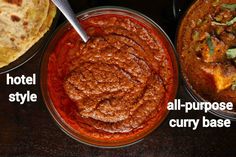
65	8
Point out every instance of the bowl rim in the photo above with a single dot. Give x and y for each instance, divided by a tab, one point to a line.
43	72
187	86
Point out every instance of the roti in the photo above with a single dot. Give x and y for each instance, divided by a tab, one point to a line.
22	24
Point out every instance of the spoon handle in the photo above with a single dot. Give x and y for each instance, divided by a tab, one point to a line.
65	8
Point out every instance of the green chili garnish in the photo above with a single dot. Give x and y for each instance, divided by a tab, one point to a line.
231	22
231	53
228	23
195	36
233	86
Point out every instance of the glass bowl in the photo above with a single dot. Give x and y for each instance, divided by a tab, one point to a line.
44	74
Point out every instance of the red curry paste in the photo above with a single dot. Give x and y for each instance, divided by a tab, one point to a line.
115	86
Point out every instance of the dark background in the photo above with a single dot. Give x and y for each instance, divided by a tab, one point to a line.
29	130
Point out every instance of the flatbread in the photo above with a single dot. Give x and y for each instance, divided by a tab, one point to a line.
22	24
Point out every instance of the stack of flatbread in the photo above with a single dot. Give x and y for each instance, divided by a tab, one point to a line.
22	24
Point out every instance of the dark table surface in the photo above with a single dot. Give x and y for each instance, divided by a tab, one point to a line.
29	130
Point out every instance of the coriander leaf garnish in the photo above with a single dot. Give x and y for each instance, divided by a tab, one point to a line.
210	44
231	7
